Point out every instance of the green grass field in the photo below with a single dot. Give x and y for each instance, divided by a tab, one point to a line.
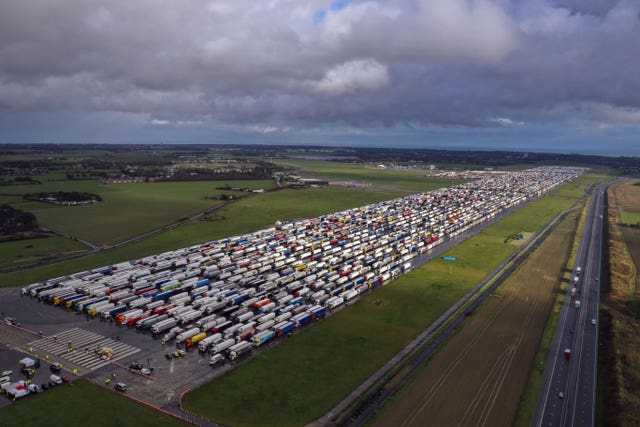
28	251
250	214
82	404
301	379
127	209
629	217
413	180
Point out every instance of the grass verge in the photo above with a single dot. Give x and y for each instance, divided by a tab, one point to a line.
83	404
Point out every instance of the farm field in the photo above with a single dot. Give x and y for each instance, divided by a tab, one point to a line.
413	180
486	364
73	405
242	216
126	210
298	377
619	363
20	252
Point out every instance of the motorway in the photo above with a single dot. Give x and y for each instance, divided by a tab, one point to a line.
567	394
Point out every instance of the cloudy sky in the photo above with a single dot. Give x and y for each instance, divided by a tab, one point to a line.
543	75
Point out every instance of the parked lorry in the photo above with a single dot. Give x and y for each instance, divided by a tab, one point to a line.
195	339
205	343
263	337
163	325
239	349
189	333
222	346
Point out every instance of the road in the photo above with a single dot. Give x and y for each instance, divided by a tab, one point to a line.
567	395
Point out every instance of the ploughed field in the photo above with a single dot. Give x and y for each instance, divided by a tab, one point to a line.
619	359
486	365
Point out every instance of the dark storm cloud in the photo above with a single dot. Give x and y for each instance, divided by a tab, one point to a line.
272	65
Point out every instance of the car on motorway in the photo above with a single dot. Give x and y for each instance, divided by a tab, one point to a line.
561	395
593	321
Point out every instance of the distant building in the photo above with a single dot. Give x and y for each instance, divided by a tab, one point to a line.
311	182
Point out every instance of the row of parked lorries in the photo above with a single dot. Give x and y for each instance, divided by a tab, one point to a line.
229	295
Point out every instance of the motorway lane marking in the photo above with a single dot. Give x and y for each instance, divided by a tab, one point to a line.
582	250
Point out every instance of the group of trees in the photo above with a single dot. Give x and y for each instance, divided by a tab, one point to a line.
14	221
63	197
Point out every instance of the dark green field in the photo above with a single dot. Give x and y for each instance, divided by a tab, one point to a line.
300	380
82	404
126	210
411	179
28	251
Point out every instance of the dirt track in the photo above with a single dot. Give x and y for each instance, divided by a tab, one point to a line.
478	378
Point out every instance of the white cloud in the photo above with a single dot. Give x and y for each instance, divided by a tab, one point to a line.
353	77
282	63
505	121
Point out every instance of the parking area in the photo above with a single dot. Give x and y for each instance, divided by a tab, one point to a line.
13	377
172	313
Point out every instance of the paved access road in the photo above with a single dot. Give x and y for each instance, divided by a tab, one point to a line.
567	396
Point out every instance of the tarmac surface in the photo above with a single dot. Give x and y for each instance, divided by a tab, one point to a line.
567	394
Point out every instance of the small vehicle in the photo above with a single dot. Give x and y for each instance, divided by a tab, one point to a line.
44	386
561	395
33	388
593	321
6	373
5	379
145	371
56	366
215	359
179	353
64	379
168	356
122	387
136	365
54	380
